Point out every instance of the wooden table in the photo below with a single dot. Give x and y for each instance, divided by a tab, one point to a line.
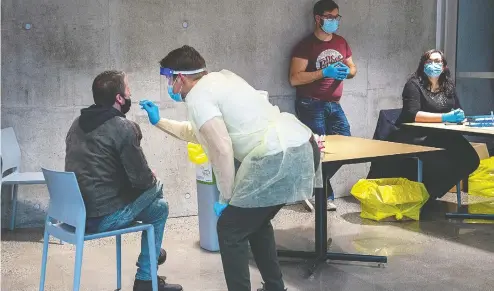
342	150
463	129
468	130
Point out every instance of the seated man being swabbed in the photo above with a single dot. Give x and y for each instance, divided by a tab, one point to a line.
103	149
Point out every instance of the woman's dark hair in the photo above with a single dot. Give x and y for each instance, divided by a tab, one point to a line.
445	82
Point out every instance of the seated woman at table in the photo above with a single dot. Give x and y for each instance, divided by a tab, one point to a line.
430	96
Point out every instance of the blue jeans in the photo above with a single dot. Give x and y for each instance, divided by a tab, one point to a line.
150	208
323	118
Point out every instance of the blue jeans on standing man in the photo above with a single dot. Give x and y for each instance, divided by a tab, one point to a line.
149	208
323	118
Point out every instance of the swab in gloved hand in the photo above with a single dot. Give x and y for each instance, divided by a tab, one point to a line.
152	110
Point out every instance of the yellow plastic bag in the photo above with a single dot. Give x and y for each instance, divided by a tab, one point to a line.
480	205
196	154
481	182
383	198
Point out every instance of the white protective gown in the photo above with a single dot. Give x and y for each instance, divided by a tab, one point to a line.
231	120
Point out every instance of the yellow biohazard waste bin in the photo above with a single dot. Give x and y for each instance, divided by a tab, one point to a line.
390	197
481	182
481	191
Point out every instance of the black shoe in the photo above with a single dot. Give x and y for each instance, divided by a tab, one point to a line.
162	257
140	285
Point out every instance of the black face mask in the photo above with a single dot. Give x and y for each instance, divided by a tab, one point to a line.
126	107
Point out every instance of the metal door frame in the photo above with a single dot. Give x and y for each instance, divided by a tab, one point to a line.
446	38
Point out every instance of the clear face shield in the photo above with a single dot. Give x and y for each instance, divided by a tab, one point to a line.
168	77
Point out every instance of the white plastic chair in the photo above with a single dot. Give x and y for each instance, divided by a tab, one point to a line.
66	220
11	160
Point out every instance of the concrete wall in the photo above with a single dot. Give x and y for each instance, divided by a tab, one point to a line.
47	71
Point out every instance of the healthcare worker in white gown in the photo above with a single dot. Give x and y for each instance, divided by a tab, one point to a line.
278	157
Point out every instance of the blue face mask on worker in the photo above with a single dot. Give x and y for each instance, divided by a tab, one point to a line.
175	96
330	25
168	79
433	70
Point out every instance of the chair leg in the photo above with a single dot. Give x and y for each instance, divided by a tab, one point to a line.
119	261
152	257
44	257
14	207
78	265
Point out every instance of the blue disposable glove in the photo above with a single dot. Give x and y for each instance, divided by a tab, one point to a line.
346	72
337	71
152	110
218	208
454	116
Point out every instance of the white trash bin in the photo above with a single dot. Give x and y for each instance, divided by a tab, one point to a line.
207	195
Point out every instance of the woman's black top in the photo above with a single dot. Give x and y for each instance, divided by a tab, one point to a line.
418	98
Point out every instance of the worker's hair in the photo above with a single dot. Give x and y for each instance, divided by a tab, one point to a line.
324	6
185	58
445	81
106	86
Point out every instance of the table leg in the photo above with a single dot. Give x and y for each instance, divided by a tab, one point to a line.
321	227
420	170
321	254
458	197
459	215
470	216
322	239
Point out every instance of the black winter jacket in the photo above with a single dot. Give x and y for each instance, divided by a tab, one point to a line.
103	150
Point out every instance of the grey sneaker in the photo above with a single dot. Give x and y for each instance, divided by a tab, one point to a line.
331	206
310	203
